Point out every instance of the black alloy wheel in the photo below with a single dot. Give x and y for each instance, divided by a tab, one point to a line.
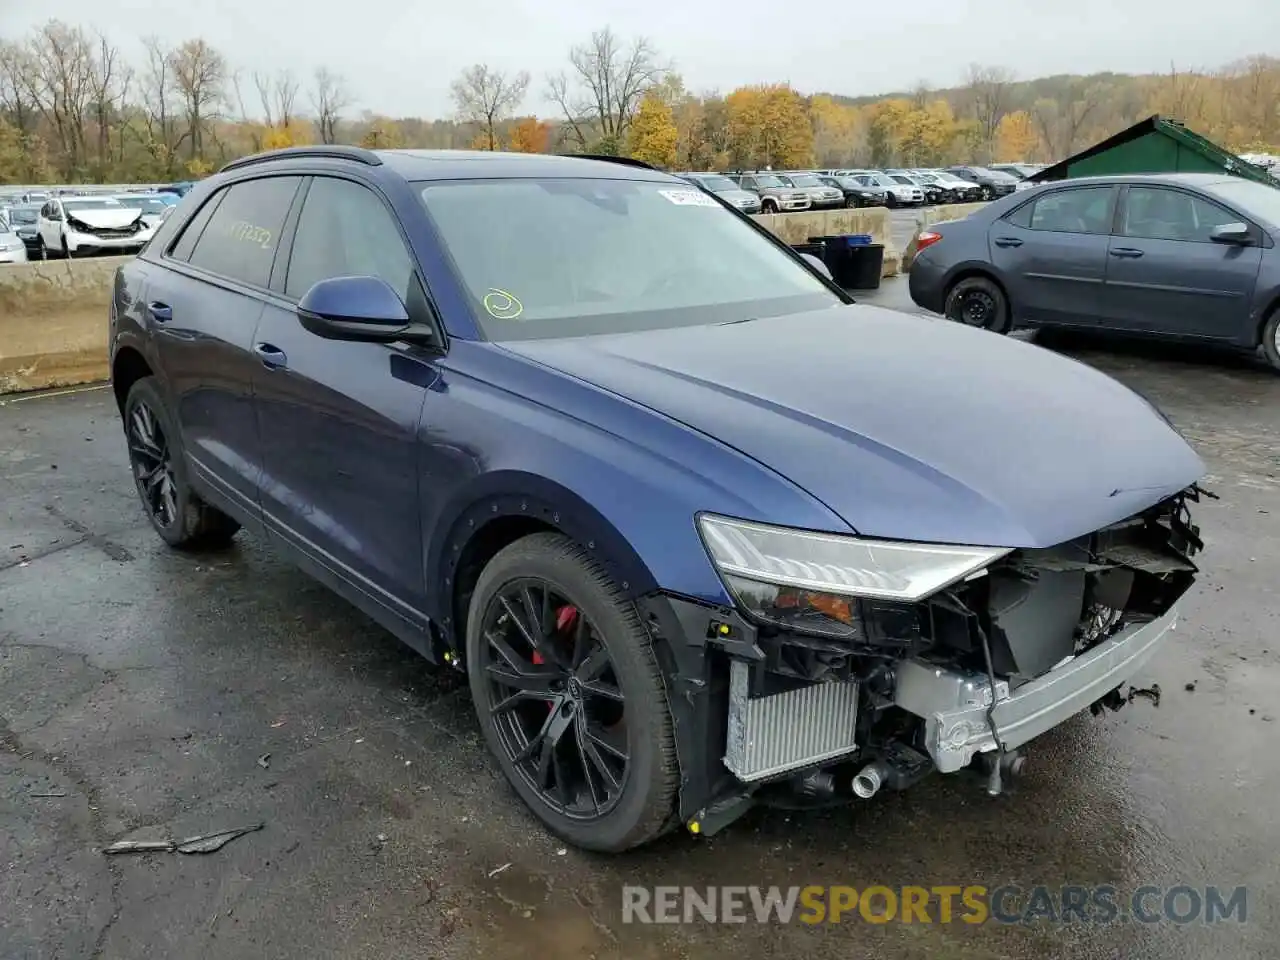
176	512
558	709
152	462
570	696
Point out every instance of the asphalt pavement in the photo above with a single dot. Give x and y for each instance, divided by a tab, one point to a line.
146	694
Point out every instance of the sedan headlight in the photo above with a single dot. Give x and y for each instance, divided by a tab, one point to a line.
820	582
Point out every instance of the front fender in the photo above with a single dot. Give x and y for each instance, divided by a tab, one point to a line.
511	494
505	437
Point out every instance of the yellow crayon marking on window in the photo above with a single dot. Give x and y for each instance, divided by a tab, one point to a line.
243	230
502	305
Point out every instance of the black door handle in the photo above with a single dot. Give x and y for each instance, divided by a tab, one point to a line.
272	357
1008	242
1128	253
160	312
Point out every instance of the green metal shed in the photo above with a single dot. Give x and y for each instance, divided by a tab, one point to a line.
1155	145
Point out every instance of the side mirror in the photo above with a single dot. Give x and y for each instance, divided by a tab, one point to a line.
1231	233
354	308
818	265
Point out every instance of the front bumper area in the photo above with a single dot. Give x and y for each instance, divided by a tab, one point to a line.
954	705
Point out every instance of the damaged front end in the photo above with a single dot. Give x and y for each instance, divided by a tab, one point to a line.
852	665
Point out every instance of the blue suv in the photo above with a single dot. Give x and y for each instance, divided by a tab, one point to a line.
700	532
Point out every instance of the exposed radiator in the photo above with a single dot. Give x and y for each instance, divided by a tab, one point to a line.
786	731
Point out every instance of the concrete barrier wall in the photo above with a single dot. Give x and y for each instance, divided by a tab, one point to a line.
53	314
53	322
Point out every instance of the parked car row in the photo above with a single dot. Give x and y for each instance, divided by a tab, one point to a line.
785	191
79	224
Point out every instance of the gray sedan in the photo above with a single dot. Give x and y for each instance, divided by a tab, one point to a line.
1179	256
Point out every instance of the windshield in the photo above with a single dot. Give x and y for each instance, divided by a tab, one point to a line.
927	177
145	204
768	180
24	215
899	178
849	183
580	257
99	203
804	180
1255	199
718	184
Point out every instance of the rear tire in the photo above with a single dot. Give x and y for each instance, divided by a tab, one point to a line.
1271	340
181	518
549	764
978	302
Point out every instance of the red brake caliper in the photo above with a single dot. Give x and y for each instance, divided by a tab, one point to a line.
566	617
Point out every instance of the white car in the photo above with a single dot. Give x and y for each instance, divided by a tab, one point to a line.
897	194
152	205
12	249
77	225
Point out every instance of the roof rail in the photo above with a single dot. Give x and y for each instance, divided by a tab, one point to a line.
625	161
332	151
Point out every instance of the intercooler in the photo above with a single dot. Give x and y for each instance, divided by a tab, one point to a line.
787	731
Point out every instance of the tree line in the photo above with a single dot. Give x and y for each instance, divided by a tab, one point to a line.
74	109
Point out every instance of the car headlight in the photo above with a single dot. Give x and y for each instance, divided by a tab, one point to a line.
827	583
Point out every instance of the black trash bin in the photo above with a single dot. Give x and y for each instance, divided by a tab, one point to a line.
850	262
866	263
835	255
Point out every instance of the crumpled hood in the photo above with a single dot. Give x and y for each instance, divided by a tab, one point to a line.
907	428
109	218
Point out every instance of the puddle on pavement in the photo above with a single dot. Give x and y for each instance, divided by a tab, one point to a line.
533	917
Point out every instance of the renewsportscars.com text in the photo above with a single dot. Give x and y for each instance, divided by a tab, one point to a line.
973	904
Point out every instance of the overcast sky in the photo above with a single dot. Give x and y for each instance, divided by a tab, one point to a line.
399	56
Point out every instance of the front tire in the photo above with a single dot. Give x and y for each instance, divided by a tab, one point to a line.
181	518
978	302
769	207
570	696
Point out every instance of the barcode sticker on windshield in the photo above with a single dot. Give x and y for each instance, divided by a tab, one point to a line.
689	198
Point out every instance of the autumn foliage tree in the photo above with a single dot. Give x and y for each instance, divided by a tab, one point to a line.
1017	138
529	135
768	126
653	135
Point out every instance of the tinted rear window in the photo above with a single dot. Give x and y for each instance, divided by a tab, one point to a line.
241	237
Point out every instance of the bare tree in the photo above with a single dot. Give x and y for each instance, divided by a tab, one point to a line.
247	123
59	83
278	95
603	89
109	81
987	93
1062	122
15	95
486	97
199	73
159	104
328	98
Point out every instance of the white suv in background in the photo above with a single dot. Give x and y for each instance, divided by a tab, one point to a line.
72	225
